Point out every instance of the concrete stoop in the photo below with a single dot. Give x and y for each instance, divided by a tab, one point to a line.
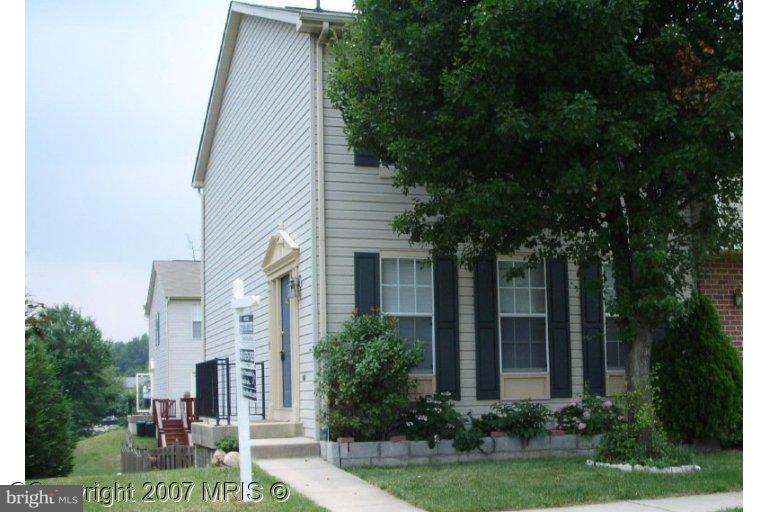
284	448
207	434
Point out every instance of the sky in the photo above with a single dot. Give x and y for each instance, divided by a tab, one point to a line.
116	93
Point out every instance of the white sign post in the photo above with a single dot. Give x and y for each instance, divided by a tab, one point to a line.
242	313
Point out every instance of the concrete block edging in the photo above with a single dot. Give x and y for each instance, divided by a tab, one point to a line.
404	453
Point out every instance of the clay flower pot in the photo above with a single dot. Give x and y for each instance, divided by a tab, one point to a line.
556	432
345	440
397	439
498	433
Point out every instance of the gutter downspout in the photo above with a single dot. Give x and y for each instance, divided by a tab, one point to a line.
320	95
201	195
320	158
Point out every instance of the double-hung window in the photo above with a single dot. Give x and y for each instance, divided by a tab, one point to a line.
522	317
406	294
157	329
197	322
615	350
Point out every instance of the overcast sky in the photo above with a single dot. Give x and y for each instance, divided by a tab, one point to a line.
116	97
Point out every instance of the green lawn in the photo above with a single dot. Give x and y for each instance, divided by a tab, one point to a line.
532	483
100	454
97	461
295	502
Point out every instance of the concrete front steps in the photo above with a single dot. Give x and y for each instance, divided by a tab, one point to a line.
284	448
269	439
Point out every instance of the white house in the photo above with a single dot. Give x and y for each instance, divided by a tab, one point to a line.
174	323
305	222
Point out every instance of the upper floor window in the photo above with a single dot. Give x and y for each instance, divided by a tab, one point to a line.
406	294
522	317
197	322
157	329
615	350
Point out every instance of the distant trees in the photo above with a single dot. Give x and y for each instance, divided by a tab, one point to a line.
131	356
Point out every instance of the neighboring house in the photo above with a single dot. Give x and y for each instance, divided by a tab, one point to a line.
288	208
174	322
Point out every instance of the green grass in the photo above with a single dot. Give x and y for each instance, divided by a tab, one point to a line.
97	460
211	475
99	454
548	482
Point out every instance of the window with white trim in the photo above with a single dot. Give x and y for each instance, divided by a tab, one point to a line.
157	329
406	294
522	317
197	322
615	350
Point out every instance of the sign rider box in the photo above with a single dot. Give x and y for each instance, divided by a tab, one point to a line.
247	357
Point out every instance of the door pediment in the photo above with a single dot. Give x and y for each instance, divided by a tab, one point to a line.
281	256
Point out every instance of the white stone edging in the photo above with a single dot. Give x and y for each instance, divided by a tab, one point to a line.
691	468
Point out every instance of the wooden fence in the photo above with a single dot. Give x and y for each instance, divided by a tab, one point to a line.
135	460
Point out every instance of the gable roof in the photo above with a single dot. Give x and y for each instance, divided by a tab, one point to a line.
310	21
180	279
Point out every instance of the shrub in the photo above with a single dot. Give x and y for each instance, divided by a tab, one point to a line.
486	423
468	439
699	376
363	377
638	437
227	444
432	418
524	418
48	418
589	416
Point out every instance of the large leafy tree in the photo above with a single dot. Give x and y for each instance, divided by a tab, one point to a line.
588	129
83	363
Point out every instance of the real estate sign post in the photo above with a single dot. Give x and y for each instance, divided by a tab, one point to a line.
242	312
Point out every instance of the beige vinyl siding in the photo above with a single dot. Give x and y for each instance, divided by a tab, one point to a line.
360	206
258	178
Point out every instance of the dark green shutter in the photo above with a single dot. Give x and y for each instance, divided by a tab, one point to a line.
486	337
559	329
366	282
446	326
365	158
592	328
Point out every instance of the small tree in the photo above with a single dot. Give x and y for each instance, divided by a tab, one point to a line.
363	377
83	362
698	373
48	439
580	129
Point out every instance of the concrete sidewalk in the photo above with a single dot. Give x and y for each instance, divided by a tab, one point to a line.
698	503
331	487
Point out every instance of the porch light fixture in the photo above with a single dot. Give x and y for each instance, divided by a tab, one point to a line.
294	286
738	297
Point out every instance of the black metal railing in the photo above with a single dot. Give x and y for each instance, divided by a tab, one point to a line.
213	392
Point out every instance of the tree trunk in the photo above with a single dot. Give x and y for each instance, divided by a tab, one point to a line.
639	357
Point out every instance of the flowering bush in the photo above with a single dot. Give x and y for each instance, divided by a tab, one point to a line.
638	436
431	419
524	419
486	423
588	416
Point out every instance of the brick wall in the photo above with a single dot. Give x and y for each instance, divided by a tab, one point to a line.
721	278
